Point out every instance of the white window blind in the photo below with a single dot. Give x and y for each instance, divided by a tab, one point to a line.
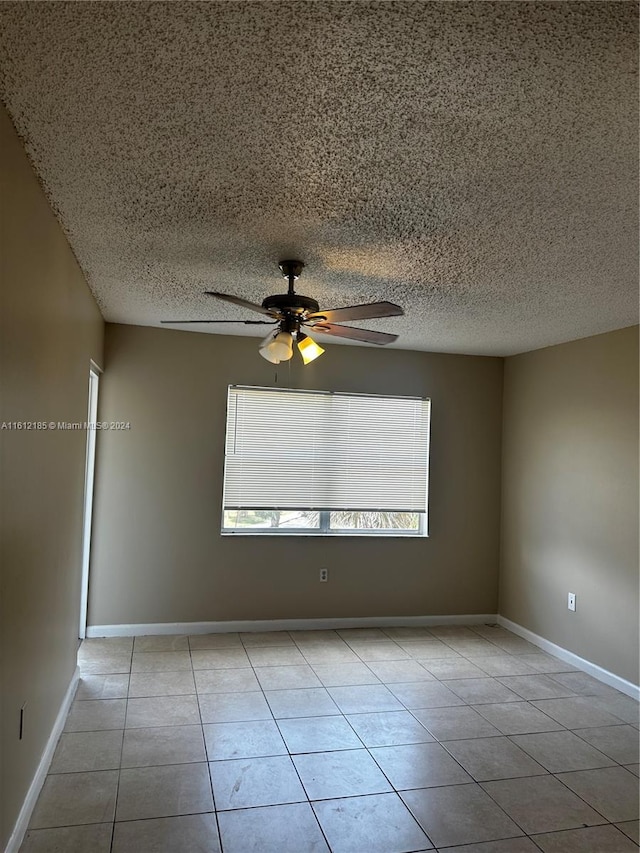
317	450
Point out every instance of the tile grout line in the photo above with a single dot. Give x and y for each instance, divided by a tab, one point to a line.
206	749
124	725
293	764
368	750
348	722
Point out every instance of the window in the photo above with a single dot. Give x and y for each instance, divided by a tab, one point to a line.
325	463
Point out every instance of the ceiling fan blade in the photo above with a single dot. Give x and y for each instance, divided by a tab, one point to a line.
370	311
366	335
246	322
237	300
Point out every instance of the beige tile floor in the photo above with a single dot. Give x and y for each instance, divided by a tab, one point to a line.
457	739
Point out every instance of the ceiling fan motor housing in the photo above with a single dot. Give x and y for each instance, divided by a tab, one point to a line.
291	303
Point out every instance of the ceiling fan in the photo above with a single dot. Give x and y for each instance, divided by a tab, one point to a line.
289	312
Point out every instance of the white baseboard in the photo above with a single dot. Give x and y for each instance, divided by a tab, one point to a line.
37	782
592	669
142	630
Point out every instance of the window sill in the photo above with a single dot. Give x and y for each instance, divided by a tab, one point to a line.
324	535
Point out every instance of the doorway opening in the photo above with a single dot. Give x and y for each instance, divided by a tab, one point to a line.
92	414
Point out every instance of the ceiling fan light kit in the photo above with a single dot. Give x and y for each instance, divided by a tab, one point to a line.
278	347
309	349
290	311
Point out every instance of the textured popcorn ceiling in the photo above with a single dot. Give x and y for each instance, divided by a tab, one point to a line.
474	162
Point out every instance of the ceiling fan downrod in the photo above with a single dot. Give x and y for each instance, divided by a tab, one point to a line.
291	270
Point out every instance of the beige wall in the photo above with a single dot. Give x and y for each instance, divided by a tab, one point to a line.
570	497
50	327
158	555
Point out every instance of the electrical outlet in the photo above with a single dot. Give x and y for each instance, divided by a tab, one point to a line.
571	601
324	575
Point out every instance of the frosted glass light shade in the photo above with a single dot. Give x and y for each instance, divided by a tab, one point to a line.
309	349
278	348
282	346
265	352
